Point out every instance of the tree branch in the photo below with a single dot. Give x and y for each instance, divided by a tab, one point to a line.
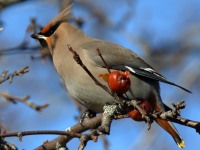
15	99
92	123
10	77
87	124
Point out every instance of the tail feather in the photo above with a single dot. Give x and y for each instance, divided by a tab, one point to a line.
158	105
168	126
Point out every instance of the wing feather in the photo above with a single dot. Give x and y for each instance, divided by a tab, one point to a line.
120	58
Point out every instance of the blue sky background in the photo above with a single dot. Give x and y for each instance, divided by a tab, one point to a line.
127	22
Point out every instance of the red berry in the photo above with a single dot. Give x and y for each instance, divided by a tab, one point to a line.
119	82
135	114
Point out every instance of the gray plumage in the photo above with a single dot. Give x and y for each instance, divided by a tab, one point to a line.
144	79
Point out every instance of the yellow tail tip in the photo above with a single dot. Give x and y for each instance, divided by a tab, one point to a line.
182	144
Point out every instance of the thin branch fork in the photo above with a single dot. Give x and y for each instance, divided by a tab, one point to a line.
15	99
87	124
65	136
10	77
173	116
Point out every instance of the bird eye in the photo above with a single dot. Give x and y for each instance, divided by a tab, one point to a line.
49	29
50	32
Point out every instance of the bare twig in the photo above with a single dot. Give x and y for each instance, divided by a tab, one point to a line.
33	27
116	117
26	133
100	55
10	77
173	115
24	100
142	111
79	61
186	122
92	123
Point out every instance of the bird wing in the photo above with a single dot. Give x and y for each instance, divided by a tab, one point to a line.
120	58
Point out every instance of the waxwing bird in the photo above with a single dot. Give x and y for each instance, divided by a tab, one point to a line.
59	33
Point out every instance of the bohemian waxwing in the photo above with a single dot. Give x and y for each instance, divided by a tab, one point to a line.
144	79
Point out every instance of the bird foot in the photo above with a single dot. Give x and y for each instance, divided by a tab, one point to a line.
87	114
109	112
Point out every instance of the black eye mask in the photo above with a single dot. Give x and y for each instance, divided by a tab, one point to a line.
51	30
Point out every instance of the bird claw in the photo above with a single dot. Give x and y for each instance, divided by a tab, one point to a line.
87	114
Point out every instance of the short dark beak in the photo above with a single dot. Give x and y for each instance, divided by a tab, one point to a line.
37	36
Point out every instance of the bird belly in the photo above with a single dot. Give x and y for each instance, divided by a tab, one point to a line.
92	97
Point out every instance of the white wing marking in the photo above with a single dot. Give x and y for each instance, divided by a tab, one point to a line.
152	71
130	69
